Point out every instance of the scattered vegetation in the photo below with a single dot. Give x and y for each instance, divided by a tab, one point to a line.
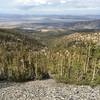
73	61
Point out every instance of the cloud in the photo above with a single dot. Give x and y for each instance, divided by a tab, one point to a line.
65	3
49	5
35	2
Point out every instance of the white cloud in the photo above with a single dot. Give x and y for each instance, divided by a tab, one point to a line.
69	3
32	1
24	1
63	1
44	5
40	1
49	5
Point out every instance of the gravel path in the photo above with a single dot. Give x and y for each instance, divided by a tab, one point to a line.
47	90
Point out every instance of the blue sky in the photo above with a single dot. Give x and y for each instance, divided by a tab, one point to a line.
50	6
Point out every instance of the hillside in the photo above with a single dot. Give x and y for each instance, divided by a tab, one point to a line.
64	56
15	47
79	37
16	36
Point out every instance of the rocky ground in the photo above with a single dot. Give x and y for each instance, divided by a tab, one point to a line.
47	90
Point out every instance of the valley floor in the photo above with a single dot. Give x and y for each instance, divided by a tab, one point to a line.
47	90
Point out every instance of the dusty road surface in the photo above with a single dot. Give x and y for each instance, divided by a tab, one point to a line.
47	90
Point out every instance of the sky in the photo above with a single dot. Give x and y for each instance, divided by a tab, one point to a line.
70	7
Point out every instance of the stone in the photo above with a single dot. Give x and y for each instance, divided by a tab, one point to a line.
47	90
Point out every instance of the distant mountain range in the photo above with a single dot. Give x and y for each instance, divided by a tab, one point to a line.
48	18
35	22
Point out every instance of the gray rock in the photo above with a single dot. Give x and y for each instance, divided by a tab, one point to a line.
47	90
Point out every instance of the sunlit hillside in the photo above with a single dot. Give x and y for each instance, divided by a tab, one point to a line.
73	58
